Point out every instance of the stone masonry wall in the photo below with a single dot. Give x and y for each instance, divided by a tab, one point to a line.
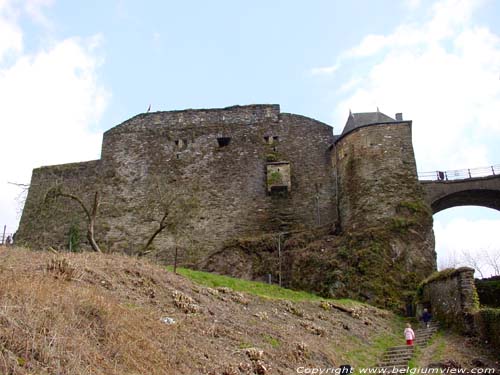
452	297
181	152
47	223
377	171
378	189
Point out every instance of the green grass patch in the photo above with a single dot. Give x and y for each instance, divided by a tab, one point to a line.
360	353
271	291
273	341
440	347
413	362
245	345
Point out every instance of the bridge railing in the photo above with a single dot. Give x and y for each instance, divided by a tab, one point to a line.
460	174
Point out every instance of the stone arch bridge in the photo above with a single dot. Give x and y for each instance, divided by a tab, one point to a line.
464	187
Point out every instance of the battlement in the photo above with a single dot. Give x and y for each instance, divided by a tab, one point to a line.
234	115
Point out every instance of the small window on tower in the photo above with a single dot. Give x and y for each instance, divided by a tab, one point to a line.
276	139
223	141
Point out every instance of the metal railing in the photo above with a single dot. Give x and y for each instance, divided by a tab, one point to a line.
460	174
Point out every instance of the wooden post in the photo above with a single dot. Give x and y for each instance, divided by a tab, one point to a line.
175	261
279	258
317	209
3	237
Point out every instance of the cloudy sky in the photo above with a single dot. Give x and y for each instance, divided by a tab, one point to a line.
70	70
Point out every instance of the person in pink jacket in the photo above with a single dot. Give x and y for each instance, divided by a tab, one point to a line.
409	334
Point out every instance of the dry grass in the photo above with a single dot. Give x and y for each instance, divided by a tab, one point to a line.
53	322
101	314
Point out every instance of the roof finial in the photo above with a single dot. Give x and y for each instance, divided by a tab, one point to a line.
378	110
350	112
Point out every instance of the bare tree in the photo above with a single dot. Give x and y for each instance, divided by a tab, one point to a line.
90	212
171	207
473	260
492	259
21	196
451	261
482	261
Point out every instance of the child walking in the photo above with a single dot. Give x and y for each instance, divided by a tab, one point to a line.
409	334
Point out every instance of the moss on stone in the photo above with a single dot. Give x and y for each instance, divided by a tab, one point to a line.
274	178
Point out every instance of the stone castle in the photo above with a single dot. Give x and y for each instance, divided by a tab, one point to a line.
253	170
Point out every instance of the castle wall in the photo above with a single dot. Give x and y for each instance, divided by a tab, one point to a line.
47	222
183	153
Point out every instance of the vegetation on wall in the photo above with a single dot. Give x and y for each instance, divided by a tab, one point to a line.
359	265
488	322
489	291
74	237
90	210
170	208
274	178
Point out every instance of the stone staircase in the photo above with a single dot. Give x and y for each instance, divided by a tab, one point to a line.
398	357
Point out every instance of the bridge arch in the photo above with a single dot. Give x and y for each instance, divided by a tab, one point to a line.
465	190
473	197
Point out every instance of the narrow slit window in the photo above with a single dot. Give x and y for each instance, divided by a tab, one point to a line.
276	139
223	141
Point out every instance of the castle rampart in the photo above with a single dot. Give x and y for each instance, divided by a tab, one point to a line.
222	154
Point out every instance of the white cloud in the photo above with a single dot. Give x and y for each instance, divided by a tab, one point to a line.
11	38
413	4
50	99
34	8
325	69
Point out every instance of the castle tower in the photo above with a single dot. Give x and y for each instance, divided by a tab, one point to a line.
376	168
378	188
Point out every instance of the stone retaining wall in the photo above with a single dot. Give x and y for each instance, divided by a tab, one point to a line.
452	297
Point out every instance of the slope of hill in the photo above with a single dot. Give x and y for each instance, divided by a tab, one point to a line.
112	314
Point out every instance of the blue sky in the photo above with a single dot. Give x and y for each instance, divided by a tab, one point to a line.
70	70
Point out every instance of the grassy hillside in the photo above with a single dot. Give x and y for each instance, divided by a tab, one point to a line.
105	314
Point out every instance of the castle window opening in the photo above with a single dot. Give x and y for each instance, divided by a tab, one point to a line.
181	144
276	139
278	177
223	141
266	139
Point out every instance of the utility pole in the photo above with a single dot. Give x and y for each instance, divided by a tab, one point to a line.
175	260
279	258
317	209
3	237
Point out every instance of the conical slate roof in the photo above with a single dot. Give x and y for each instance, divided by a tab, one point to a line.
357	120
